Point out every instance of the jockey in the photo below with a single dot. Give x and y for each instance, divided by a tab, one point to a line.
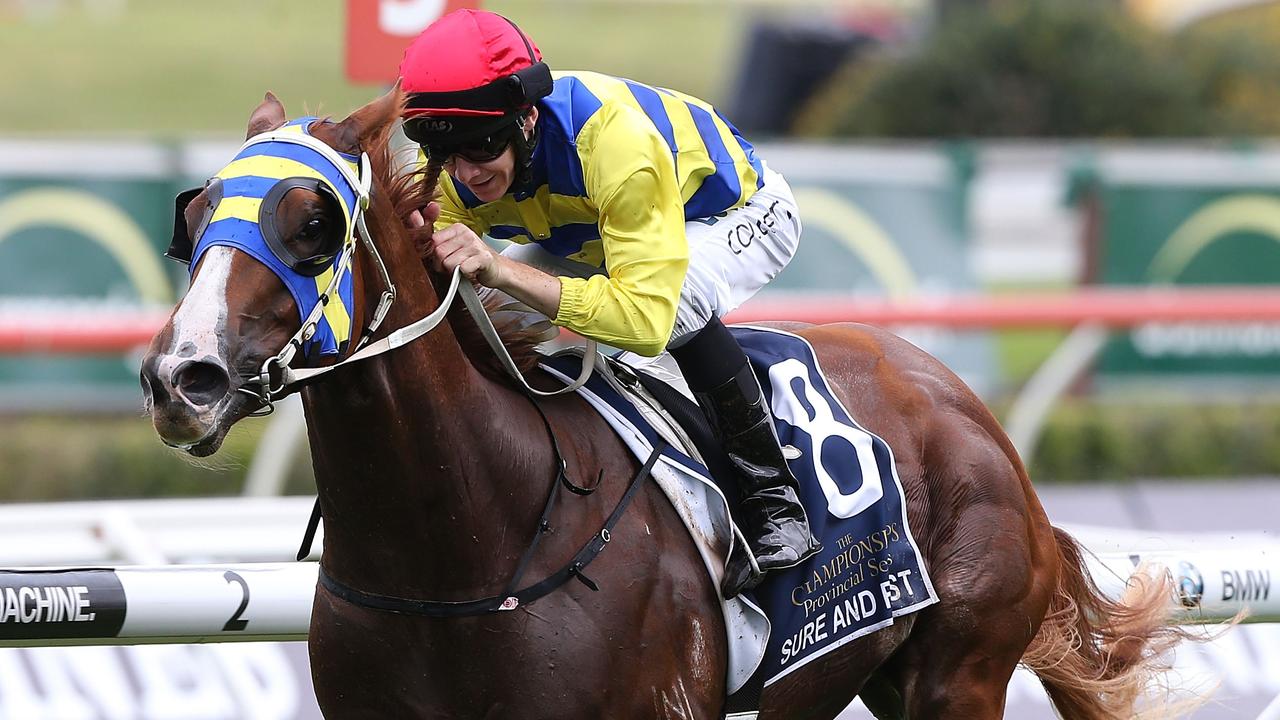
639	215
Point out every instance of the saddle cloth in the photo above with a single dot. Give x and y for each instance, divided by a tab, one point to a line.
869	570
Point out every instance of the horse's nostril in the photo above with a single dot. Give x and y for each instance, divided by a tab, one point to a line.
155	392
201	383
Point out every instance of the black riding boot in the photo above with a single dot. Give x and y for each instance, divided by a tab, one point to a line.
769	510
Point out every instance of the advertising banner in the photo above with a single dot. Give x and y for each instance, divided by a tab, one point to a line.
1198	218
379	30
877	223
886	223
71	244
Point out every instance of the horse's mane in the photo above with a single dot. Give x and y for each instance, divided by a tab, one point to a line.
410	189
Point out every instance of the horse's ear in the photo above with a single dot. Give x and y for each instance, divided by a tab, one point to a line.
268	116
354	133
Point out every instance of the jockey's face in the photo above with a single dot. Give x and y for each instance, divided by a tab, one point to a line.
491	179
488	181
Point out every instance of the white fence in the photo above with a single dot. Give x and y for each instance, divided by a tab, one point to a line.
133	605
152	532
161	604
1218	575
240	591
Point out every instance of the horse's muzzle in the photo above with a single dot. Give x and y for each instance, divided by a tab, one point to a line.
184	397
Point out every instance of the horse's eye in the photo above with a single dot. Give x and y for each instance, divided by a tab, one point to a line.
314	229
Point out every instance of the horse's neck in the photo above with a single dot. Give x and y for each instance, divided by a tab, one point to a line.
419	465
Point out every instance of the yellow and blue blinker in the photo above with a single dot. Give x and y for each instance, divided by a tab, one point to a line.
243	200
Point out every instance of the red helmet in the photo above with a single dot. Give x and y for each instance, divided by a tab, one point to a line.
468	76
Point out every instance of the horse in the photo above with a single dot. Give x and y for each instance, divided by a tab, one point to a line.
432	470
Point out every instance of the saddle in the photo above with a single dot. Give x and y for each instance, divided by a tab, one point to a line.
655	382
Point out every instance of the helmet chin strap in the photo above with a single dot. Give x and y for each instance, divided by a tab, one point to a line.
524	147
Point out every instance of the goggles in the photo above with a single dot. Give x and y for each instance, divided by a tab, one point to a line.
484	149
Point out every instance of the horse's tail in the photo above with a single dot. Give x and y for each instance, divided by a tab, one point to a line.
1097	657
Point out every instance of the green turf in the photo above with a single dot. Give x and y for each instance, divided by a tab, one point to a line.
175	67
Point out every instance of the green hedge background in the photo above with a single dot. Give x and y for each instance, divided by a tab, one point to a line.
1048	68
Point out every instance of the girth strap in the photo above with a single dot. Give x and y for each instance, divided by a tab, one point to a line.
507	601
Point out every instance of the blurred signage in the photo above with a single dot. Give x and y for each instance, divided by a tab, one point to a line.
1180	13
882	223
71	244
232	681
379	30
1211	219
886	223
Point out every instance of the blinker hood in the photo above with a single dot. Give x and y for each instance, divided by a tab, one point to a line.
241	205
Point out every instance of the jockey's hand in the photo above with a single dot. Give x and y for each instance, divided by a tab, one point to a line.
418	220
430	213
458	247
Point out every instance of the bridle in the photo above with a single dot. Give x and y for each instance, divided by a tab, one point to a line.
277	378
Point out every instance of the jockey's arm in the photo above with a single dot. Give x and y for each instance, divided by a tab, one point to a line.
630	175
458	232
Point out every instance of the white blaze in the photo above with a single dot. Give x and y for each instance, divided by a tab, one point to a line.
203	314
201	320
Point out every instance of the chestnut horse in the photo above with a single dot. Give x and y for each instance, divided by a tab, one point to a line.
433	470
